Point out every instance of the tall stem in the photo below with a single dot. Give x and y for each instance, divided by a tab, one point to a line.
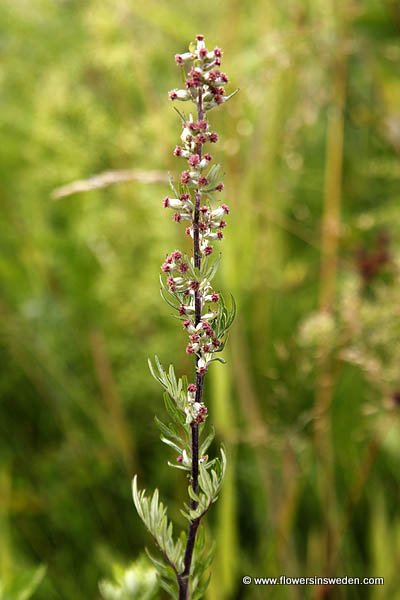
183	579
328	275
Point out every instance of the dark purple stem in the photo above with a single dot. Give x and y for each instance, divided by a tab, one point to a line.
183	578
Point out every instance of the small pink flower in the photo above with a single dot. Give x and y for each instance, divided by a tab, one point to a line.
172	95
183	267
208	157
166	268
225	208
199	37
182	309
177	218
222	224
176	255
190	83
194	160
194	337
213	137
204	209
219	187
207	328
201	138
214	297
202	125
187	323
203	180
217	52
218	76
185	177
171	284
203	52
193	285
218	91
190	349
179	59
188	231
218	61
179	458
220	235
166	202
184	197
191	388
196	75
202	413
203	227
208	250
178	151
216	343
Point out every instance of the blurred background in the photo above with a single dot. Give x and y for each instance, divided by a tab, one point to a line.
308	403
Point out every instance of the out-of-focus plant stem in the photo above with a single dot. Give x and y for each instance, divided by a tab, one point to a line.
109	390
222	584
5	498
328	274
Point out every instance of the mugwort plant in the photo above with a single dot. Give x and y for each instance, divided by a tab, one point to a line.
186	286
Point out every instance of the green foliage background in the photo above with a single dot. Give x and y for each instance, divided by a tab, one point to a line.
84	90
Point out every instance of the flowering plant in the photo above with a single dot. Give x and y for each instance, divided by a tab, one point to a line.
186	287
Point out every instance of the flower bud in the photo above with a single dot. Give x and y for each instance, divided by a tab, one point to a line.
179	95
184	58
174	203
202	366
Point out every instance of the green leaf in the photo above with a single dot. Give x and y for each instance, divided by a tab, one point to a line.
214	177
174	305
170	588
180	467
226	98
169	431
173	411
184	120
154	516
205	445
171	181
218	358
24	584
194	271
171	444
210	485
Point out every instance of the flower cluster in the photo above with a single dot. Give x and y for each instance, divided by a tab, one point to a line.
181	283
204	86
195	411
195	202
211	222
199	67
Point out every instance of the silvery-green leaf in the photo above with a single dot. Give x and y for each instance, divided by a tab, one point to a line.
171	444
208	440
